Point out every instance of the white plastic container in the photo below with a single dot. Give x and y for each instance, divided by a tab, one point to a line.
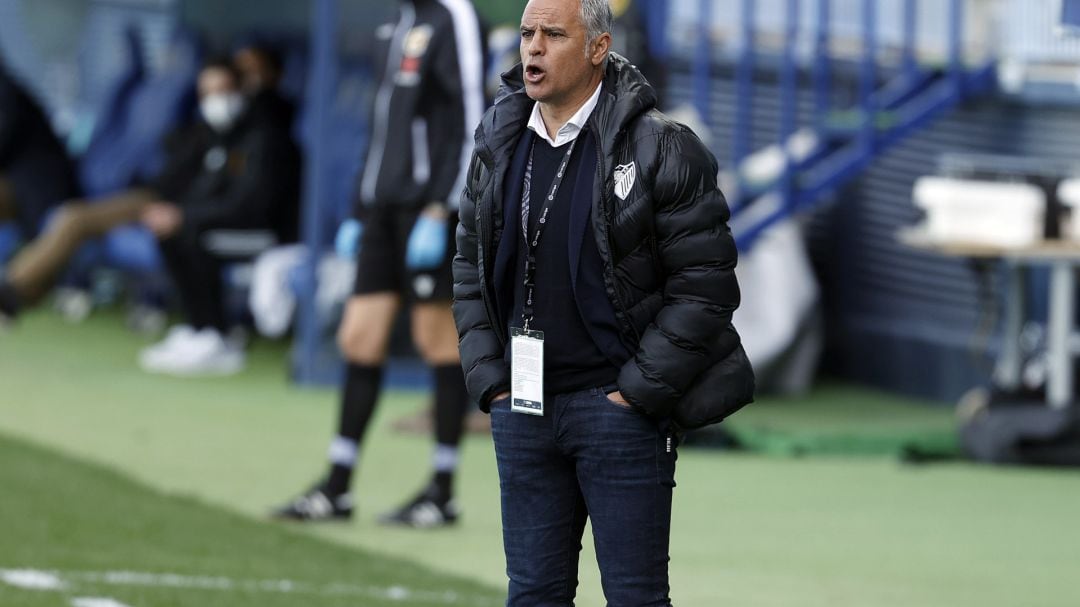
981	212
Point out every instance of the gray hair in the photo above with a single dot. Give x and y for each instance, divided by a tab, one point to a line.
598	20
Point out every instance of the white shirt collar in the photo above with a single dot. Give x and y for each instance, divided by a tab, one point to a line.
572	128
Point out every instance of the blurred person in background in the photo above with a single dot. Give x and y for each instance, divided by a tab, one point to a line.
36	173
429	98
228	169
247	178
594	288
261	69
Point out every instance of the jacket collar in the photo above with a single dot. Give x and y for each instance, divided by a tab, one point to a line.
625	96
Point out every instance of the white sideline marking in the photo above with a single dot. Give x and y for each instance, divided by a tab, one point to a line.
162	580
30	579
96	602
57	580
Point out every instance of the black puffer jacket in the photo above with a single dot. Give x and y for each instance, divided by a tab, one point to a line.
669	258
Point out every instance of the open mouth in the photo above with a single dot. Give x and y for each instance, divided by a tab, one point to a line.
534	74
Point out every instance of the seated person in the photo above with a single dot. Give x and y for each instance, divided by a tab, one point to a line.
261	69
249	179
35	171
217	168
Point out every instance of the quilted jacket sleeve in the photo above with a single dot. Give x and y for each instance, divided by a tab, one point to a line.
697	256
481	350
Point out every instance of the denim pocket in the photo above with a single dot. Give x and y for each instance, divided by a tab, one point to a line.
602	393
618	405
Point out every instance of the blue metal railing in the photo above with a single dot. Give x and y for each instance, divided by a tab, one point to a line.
1025	31
744	77
703	62
985	32
789	100
823	62
845	143
956	36
911	23
868	75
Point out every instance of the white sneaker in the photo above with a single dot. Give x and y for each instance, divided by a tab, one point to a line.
202	353
150	357
75	305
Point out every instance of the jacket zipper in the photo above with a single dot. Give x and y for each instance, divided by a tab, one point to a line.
609	275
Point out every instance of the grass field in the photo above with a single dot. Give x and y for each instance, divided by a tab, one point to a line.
101	535
194	466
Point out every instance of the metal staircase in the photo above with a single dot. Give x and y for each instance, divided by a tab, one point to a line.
809	163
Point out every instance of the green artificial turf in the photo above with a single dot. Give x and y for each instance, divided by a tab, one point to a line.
845	420
749	529
103	536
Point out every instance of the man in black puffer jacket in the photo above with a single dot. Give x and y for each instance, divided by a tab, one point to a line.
592	241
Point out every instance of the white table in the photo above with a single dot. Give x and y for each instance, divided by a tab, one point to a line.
1063	258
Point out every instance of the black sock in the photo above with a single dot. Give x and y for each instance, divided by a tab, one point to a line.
442	487
358	400
451	400
339	479
9	300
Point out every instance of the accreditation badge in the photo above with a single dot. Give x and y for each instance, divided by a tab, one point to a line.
527	371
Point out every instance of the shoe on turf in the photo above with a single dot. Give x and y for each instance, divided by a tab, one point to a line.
317	505
188	353
74	304
423	512
151	356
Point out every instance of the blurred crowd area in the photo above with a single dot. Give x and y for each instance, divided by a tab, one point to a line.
962	91
122	123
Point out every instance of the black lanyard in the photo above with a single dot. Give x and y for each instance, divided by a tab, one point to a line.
532	245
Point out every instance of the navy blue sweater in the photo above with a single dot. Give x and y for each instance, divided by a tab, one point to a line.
581	349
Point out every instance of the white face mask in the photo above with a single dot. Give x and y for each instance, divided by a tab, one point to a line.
221	110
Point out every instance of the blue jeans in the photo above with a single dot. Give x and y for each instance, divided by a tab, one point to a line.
586	457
